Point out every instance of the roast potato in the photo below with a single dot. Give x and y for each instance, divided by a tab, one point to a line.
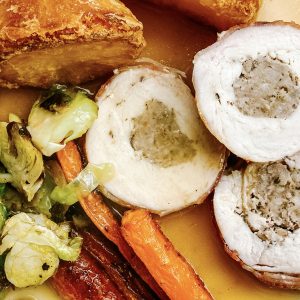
43	42
221	14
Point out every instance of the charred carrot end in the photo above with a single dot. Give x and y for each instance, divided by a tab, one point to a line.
176	277
70	160
85	279
106	253
103	218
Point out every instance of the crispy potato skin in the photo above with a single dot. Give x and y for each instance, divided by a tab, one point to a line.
221	14
176	277
42	42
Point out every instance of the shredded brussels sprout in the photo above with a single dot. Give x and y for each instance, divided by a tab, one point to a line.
14	118
22	160
3	215
13	200
88	180
42	202
37	262
5	178
2	189
35	244
62	114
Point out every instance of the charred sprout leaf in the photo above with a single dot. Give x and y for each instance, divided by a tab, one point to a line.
58	212
2	189
35	244
4	283
42	202
4	178
62	114
56	98
59	96
13	200
20	158
87	180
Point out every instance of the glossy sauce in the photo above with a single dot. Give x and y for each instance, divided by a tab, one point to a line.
174	40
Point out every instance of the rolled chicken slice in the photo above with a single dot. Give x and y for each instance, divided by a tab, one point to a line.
149	129
247	90
258	214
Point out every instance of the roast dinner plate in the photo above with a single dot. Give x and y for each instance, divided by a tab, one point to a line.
173	40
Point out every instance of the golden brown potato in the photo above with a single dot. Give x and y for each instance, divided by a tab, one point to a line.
69	41
221	14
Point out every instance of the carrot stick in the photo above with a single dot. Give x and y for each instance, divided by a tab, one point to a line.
118	269
71	163
85	279
176	277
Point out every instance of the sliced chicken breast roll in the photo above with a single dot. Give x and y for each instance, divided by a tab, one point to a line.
258	214
248	93
149	129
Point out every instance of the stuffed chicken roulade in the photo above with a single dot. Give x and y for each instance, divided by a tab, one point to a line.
248	93
257	211
149	130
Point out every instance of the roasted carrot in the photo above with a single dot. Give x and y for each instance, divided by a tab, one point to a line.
84	279
71	163
118	269
173	273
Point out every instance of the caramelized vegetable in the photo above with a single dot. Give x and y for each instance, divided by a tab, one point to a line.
32	245
84	279
114	264
60	115
102	217
87	180
21	159
167	266
70	161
